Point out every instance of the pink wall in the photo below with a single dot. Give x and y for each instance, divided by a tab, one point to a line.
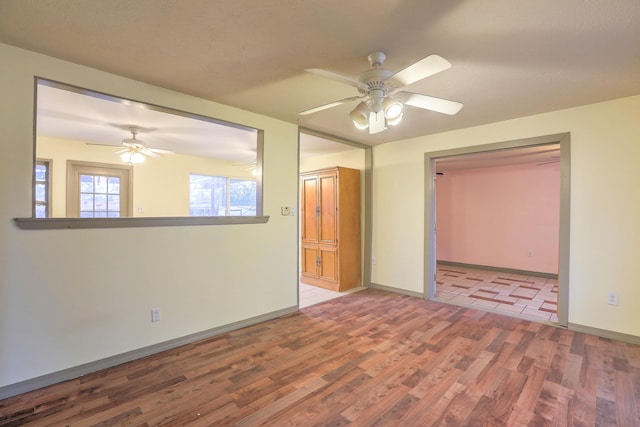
498	216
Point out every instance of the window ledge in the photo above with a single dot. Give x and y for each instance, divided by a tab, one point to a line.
77	223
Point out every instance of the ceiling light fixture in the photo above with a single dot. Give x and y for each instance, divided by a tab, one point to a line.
392	108
132	156
360	116
395	120
377	113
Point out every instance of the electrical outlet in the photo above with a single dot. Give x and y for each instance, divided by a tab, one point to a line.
285	210
374	260
612	298
155	314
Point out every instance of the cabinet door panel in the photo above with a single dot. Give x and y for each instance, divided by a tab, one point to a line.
309	261
328	264
309	227
328	218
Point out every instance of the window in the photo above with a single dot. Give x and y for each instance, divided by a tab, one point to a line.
41	190
221	196
99	196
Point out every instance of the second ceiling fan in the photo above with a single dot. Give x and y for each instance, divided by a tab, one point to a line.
134	149
382	100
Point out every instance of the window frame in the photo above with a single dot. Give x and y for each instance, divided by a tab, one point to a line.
34	223
228	180
76	167
47	182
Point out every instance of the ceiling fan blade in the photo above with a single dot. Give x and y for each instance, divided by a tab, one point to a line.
426	67
160	150
431	103
338	77
150	153
329	105
104	145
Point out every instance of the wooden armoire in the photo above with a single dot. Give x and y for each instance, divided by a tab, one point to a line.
330	228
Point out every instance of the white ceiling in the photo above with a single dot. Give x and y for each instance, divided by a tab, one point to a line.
510	58
67	114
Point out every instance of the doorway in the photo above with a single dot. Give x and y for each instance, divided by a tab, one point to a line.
485	153
320	151
96	190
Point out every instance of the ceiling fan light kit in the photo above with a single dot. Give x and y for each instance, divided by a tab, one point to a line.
132	157
134	151
360	116
381	102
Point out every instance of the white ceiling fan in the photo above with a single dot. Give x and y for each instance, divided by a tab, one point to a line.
134	149
382	101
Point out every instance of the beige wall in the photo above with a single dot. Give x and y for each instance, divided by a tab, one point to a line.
160	186
605	206
69	297
353	159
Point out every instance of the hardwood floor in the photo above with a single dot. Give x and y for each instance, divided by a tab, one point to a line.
370	358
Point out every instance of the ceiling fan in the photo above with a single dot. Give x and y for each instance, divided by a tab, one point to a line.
134	149
382	101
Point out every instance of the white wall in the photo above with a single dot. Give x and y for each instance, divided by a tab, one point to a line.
353	159
605	206
69	297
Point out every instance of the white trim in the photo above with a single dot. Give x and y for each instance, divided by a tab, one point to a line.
397	290
618	336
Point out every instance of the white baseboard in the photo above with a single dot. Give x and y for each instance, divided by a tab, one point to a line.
618	336
87	368
397	290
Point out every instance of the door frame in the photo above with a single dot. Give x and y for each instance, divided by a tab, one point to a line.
564	139
366	214
76	167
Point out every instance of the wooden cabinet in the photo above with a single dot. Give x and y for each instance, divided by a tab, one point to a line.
330	228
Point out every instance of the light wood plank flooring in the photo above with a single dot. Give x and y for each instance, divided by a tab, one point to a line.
371	358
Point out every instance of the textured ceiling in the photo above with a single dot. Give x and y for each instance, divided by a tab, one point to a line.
510	58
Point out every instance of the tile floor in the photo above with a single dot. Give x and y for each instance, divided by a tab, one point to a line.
310	295
513	294
523	296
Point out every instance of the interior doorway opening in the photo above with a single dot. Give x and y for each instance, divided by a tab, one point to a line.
482	228
320	152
